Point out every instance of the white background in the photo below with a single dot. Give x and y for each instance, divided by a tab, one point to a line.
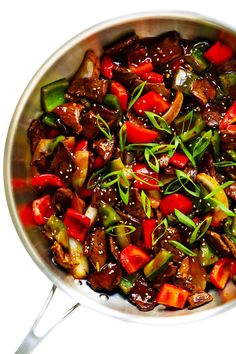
30	31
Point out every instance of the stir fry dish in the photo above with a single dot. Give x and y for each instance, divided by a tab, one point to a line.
134	165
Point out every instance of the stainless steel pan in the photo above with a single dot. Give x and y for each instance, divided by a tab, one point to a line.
64	63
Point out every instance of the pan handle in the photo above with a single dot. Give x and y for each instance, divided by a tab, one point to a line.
32	339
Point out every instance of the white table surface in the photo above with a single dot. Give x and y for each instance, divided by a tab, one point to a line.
30	31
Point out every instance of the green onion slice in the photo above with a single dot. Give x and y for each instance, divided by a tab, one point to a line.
182	248
195	237
136	94
164	222
148	154
158	122
146	204
218	189
185	219
104	127
111	229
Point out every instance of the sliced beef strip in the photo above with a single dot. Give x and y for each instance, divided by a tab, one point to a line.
90	66
212	114
228	66
104	147
228	139
124	75
149	86
165	277
62	199
133	221
133	118
203	90
108	278
60	256
90	127
94	89
231	191
109	115
114	248
123	45
163	160
172	233
206	165
230	244
96	249
107	195
36	132
198	299
41	158
217	243
191	171
63	164
134	206
143	295
166	48
70	114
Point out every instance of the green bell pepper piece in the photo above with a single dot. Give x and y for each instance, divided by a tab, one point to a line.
116	165
232	154
55	142
157	265
127	283
206	255
108	215
56	229
230	226
215	141
53	94
196	57
122	238
228	80
112	101
194	128
50	119
183	80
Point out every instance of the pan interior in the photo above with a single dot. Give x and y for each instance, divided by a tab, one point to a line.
64	63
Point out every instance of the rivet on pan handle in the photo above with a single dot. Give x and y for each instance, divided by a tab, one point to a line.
32	339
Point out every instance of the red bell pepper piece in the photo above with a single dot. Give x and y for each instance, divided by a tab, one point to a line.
46	180
218	53
148	228
98	163
42	209
133	258
18	183
229	118
120	91
152	77
107	66
52	133
82	145
232	269
77	224
84	192
151	101
220	273
173	296
139	62
147	175
176	201
178	159
77	203
26	215
176	64
138	135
